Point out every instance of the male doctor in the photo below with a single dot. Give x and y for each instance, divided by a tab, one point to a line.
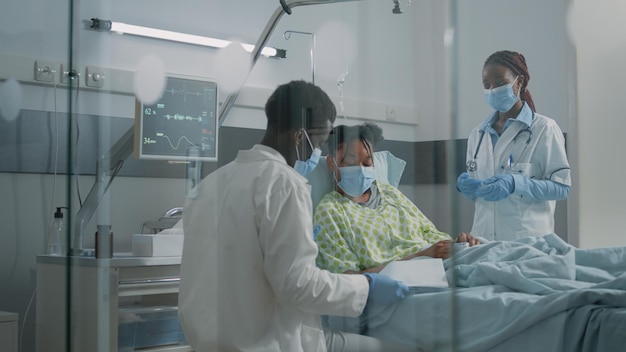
248	276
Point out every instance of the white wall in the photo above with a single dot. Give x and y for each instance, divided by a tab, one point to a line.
381	67
598	30
535	28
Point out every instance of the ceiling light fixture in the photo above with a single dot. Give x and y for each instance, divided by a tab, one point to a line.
123	28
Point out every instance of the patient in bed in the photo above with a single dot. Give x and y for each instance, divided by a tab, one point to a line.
364	224
533	293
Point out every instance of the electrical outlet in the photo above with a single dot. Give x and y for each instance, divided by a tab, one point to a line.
94	77
392	114
69	77
44	71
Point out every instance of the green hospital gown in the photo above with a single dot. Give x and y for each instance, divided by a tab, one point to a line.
353	237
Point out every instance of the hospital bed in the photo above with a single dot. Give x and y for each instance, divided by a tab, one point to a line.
535	293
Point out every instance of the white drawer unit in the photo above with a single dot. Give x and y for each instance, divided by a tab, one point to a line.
104	303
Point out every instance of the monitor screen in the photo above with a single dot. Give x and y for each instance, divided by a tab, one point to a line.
182	124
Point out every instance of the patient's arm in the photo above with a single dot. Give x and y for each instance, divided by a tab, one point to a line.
440	249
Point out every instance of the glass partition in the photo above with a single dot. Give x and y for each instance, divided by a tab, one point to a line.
92	251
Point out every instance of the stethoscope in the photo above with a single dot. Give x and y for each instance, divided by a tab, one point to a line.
472	165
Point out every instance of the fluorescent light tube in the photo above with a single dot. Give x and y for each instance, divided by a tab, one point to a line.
123	28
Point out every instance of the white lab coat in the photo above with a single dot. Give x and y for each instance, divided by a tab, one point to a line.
248	276
542	158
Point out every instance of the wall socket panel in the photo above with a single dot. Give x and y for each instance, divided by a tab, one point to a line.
67	77
94	77
44	71
50	72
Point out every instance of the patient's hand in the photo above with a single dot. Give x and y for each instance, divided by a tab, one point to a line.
441	249
466	237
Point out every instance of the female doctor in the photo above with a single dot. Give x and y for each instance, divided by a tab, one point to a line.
516	162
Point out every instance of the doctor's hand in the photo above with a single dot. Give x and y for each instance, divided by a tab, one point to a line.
496	188
385	290
468	185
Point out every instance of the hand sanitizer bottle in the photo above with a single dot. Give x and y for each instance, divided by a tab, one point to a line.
56	245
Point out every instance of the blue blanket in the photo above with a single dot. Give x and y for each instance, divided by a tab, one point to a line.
537	293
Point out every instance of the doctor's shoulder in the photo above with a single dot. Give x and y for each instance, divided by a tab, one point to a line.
280	177
543	120
547	126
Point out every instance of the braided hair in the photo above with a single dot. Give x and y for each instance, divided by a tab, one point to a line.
368	133
516	63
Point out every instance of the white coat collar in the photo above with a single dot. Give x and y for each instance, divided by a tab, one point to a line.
261	152
525	116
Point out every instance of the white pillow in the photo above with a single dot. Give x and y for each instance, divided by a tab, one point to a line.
392	173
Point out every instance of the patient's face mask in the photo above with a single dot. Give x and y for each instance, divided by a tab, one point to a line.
305	167
355	180
502	98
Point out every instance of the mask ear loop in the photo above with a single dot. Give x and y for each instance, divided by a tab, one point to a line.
296	146
519	90
308	139
306	135
334	173
297	154
303	122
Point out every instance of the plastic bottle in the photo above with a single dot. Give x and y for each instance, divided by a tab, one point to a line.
104	242
56	245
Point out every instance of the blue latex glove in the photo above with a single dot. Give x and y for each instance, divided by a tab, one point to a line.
496	188
385	290
468	185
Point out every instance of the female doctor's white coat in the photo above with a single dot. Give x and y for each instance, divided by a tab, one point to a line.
538	153
248	276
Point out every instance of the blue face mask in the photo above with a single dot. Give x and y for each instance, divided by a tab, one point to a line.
501	98
355	180
305	167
